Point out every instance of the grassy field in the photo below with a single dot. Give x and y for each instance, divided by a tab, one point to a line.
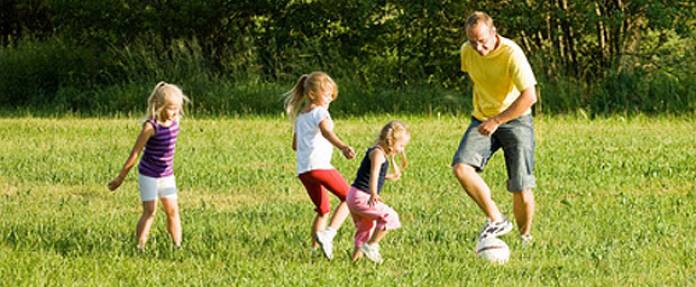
616	206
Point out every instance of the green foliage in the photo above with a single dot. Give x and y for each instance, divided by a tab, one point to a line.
583	52
33	72
635	92
611	209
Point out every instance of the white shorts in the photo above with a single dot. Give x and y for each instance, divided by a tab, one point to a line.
153	187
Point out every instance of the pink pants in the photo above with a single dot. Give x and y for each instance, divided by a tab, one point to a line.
367	218
316	183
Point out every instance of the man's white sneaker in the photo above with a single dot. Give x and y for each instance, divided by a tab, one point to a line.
526	239
372	252
495	229
325	240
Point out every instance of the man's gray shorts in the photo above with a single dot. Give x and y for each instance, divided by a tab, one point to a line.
516	137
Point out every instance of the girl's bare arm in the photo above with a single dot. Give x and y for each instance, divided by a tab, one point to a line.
328	133
145	134
376	158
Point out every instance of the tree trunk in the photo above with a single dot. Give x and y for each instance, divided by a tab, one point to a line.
571	61
617	34
601	36
559	42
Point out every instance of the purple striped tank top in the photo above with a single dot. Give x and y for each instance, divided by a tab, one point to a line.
158	157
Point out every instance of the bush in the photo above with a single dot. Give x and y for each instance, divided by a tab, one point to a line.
33	72
59	76
641	92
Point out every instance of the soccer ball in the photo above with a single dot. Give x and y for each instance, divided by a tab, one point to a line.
493	250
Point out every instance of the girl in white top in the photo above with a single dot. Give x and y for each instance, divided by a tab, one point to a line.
313	139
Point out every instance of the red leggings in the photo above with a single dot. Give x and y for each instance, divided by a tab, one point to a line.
318	181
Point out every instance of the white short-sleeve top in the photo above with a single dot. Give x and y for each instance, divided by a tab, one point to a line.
314	151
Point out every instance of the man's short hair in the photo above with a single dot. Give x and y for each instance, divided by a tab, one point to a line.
479	17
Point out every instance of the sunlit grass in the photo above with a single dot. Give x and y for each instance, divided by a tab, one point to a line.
616	202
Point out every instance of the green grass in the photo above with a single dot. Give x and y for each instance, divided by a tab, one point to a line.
616	206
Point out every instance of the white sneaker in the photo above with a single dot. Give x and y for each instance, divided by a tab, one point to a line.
325	240
495	229
527	240
372	252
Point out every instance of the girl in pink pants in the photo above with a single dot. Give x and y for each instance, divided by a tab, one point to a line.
371	216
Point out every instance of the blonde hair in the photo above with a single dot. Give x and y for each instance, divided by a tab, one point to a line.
388	137
161	94
308	88
479	17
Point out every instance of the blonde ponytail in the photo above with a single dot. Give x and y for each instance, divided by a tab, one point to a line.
308	88
404	160
295	99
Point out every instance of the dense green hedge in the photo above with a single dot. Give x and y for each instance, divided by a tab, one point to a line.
388	56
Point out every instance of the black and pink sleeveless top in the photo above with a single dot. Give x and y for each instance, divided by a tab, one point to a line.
158	157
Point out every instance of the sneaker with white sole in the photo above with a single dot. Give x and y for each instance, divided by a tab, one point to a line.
526	239
495	229
372	252
325	240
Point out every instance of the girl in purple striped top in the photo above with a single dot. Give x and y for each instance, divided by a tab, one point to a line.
156	173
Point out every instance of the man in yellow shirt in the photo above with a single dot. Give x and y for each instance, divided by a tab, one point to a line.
503	96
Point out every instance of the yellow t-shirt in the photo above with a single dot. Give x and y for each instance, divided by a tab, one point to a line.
498	77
